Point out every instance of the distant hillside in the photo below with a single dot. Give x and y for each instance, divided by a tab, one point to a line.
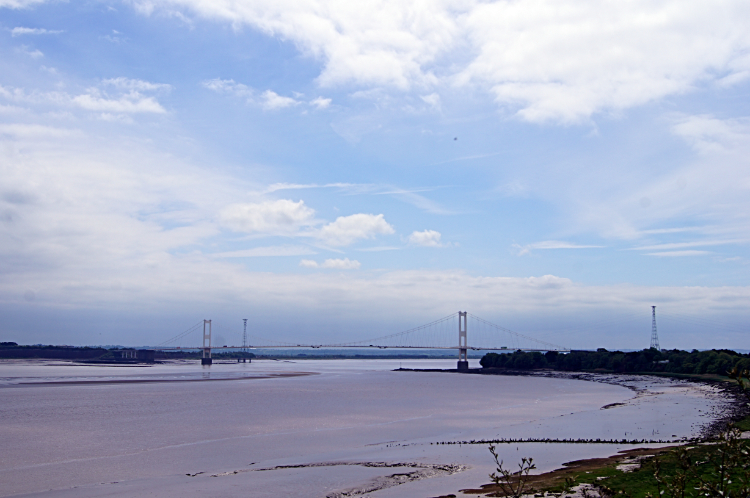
13	350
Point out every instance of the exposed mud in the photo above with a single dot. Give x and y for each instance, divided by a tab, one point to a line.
98	382
420	471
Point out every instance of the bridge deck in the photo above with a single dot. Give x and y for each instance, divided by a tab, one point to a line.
338	346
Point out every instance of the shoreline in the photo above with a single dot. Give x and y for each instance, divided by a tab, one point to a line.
538	483
738	406
736	409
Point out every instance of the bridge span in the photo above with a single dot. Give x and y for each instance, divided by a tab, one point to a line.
439	334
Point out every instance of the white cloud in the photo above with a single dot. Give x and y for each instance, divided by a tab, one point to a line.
550	244
336	264
269	251
228	86
19	31
19	4
320	102
294	219
183	286
282	216
702	186
135	85
34	54
591	56
696	243
708	134
115	118
380	248
433	100
82	203
657	231
298	186
384	46
410	196
426	238
341	264
557	244
678	254
268	100
114	37
35	131
513	189
348	229
271	100
559	60
711	189
95	99
130	103
414	198
11	109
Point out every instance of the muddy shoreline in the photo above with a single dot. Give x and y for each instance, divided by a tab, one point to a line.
737	406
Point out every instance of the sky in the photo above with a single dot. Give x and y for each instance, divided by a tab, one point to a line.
337	170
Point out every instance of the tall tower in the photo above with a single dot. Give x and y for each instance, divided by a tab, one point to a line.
244	336
463	361
206	359
654	336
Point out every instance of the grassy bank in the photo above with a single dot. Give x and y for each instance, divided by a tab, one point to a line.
715	468
718	466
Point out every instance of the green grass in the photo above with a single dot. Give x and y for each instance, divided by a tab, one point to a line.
590	477
744	424
641	482
702	468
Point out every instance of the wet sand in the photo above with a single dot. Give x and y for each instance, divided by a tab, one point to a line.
97	382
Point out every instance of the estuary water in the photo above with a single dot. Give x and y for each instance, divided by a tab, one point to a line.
310	428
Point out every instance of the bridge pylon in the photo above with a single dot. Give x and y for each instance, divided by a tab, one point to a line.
206	360
463	361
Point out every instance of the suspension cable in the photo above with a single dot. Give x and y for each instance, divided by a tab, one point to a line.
405	332
517	334
181	335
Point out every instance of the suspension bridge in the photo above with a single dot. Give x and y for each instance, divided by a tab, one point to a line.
449	332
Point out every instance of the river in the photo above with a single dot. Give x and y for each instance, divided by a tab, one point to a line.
310	428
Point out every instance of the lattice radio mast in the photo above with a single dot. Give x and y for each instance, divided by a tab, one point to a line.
654	335
244	336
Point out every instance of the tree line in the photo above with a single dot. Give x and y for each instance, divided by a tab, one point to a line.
715	361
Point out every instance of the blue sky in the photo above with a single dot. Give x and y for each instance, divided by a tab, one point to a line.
346	169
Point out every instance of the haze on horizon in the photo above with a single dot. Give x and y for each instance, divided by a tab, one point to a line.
337	170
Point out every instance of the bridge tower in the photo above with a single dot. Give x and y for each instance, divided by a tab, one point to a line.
206	360
244	336
463	362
